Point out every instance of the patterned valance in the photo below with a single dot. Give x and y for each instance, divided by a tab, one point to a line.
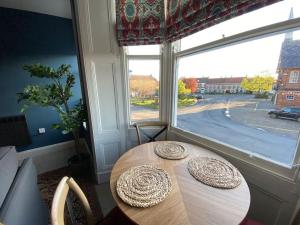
185	17
140	22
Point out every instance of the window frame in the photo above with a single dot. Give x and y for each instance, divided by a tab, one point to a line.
289	172
126	58
294	77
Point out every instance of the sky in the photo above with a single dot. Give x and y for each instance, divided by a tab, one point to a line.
258	57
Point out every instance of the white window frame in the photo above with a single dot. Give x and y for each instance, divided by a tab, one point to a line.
290	97
126	58
287	172
294	77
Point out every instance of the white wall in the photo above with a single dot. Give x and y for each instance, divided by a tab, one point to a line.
49	157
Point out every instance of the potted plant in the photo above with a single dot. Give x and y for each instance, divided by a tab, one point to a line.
56	94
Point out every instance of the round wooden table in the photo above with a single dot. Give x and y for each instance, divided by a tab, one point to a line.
190	201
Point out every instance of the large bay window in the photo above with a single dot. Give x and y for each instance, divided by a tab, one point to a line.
228	84
231	83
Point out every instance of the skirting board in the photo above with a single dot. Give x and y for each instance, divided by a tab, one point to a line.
49	157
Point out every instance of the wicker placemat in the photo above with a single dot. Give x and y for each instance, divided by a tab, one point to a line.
171	150
214	172
144	186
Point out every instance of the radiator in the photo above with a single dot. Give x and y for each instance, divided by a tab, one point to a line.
14	131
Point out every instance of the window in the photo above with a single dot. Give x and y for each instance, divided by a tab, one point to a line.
144	50
239	80
286	110
294	76
290	97
264	16
143	69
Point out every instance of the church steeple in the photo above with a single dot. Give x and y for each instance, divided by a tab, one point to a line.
291	14
289	35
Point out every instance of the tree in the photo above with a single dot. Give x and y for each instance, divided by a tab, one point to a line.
258	84
191	83
182	90
143	86
55	94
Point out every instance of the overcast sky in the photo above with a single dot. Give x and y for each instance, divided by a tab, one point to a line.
250	58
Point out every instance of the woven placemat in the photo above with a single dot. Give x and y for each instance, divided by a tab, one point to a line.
214	172
144	186
171	150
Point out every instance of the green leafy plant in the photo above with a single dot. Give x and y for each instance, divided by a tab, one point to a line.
182	90
55	94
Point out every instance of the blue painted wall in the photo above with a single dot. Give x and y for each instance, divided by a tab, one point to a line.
27	38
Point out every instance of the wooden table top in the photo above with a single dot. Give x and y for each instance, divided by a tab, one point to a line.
190	201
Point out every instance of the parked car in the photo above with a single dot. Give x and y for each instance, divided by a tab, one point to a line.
286	113
198	96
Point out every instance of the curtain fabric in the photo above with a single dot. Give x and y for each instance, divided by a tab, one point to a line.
140	22
185	17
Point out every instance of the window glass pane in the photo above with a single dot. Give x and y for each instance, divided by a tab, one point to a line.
234	95
144	89
143	50
294	77
265	16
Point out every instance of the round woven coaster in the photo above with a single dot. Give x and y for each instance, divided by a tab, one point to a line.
144	186
214	172
171	150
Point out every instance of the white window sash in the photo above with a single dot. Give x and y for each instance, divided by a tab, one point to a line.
126	59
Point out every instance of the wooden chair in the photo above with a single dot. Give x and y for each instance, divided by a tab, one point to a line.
139	131
115	217
60	198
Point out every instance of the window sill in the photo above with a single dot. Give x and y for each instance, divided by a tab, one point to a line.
282	171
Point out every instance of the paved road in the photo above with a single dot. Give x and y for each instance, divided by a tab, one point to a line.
214	124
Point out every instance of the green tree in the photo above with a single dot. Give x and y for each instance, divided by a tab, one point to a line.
55	94
258	84
182	90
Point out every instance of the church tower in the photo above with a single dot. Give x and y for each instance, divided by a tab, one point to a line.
288	81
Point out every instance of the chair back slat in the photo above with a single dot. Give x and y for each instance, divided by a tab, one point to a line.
58	204
139	125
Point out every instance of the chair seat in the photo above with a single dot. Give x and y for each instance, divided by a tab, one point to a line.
116	217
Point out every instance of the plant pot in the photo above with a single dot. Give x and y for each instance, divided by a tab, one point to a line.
80	167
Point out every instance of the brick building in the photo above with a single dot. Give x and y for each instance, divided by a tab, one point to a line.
288	82
201	84
220	85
